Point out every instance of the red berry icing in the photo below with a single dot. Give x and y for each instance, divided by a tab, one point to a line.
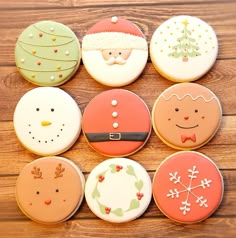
139	196
118	168
101	178
107	210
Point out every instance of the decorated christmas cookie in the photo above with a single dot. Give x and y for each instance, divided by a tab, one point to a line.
188	187
183	48
118	190
47	53
116	123
42	190
114	52
47	121
186	116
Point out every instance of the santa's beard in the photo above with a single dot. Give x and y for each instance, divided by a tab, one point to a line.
114	75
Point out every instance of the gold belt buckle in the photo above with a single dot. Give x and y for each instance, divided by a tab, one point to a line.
115	136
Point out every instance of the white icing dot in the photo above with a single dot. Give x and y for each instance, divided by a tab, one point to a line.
51	29
114	19
115	125
67	52
114	114
114	102
30	35
22	60
52	78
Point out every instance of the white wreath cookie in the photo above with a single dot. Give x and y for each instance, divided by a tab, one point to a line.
183	48
118	190
47	121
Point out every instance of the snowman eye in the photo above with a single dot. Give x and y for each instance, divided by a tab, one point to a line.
176	109
57	190
196	110
110	53
119	53
37	109
37	192
52	109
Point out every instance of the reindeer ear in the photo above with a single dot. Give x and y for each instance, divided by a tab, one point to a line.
37	173
59	171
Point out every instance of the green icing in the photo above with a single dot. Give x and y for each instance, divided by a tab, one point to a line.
47	53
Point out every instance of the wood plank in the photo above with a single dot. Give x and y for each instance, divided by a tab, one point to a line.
147	18
221	80
10	210
142	227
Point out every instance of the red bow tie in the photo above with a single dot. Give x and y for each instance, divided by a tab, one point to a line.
192	138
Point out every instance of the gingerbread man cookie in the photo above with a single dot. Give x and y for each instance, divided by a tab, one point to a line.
188	187
114	52
42	190
183	48
186	116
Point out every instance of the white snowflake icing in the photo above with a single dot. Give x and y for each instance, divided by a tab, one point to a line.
175	193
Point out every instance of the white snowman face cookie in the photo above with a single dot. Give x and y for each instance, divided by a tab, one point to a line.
47	121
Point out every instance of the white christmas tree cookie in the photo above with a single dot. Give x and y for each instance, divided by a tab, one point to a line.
118	190
47	53
188	187
47	121
183	48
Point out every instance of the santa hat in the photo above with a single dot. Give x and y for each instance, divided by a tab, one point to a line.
114	33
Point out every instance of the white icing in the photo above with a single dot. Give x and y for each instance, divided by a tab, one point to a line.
114	102
168	36
115	125
67	53
22	60
114	114
30	35
51	29
114	19
51	105
52	78
118	189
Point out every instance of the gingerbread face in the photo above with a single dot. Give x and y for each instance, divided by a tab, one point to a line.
186	116
47	121
114	52
43	193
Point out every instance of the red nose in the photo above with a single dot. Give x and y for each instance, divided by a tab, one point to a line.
186	118
47	202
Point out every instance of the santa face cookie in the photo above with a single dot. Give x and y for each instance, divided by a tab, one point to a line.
47	121
114	52
116	123
188	187
47	53
186	116
42	190
118	190
183	48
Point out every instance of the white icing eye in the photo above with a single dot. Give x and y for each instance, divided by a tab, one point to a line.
114	102
115	125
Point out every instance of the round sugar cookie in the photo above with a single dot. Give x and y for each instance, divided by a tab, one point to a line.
47	53
116	123
118	190
114	52
183	48
186	116
188	187
47	121
50	190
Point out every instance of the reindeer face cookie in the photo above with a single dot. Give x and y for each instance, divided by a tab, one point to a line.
47	121
42	190
186	116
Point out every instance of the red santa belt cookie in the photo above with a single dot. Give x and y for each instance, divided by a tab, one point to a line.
116	123
42	190
186	116
188	187
47	121
183	48
47	53
118	190
114	52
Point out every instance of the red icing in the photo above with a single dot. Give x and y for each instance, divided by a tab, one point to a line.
55	51
139	196
207	187
47	202
101	178
40	34
122	25
107	210
38	63
191	137
118	168
60	75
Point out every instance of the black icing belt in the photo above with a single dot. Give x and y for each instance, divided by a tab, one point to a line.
116	136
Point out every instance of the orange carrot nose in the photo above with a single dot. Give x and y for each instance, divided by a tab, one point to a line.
186	118
45	123
47	202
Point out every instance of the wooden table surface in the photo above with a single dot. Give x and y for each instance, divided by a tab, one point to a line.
15	15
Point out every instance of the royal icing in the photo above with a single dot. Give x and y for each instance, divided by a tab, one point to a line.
47	57
114	127
42	190
47	121
114	52
183	48
188	187
118	190
186	116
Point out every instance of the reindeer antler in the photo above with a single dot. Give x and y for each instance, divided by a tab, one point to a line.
37	173
59	171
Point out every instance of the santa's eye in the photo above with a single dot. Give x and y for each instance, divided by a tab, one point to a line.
37	109
176	109
57	190
119	53
52	109
37	192
110	53
196	110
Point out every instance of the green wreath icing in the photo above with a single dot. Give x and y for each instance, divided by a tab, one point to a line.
134	203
